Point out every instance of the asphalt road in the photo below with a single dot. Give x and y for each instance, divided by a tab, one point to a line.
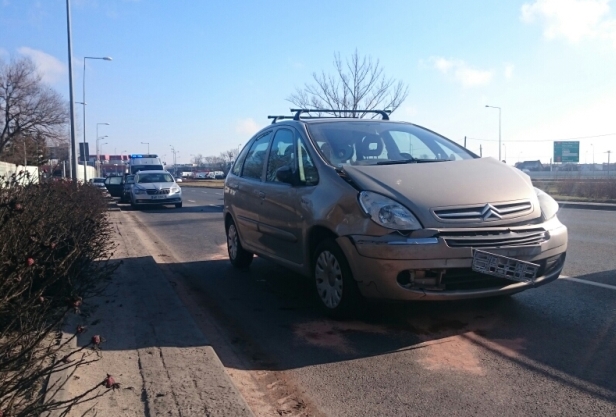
547	351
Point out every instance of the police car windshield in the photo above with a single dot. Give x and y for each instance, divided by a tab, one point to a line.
150	178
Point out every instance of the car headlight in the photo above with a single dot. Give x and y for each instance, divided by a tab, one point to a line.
138	190
549	206
174	190
387	212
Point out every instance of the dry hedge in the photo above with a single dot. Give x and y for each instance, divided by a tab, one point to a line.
55	249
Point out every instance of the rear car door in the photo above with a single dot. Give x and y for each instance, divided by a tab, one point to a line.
243	195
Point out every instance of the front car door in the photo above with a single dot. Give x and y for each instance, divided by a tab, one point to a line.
115	186
283	210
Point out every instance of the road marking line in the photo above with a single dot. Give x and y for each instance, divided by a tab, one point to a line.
204	192
584	281
191	201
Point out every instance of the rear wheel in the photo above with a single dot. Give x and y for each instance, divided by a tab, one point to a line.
335	286
239	257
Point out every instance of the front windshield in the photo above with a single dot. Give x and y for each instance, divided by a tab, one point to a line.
377	143
153	177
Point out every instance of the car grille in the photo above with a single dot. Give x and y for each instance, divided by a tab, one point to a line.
497	237
156	192
484	212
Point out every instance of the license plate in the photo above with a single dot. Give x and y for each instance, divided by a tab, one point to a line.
504	267
158	197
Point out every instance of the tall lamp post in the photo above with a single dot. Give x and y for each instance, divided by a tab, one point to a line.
98	159
174	153
147	143
85	165
97	139
499	130
593	156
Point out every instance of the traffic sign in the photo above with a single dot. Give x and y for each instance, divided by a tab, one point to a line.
567	151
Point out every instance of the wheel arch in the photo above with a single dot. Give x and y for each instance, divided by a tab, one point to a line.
316	235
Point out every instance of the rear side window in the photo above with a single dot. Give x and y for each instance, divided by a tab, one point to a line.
253	165
237	166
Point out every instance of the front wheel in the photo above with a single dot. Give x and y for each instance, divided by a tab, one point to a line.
336	289
178	205
239	257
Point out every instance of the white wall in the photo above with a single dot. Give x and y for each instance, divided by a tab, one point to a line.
90	171
7	170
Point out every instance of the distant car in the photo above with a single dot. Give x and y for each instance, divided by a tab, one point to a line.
383	209
129	180
178	179
98	183
155	188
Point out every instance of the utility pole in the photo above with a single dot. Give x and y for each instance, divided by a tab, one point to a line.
72	152
465	141
480	151
608	163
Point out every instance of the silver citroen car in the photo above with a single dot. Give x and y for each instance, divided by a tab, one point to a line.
155	188
374	208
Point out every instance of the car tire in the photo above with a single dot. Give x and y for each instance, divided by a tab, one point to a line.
336	290
239	257
133	206
178	205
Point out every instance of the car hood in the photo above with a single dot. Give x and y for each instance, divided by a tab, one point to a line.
424	187
155	185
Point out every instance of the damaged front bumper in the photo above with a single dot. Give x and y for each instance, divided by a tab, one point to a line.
435	264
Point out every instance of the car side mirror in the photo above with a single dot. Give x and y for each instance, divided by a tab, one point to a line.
285	174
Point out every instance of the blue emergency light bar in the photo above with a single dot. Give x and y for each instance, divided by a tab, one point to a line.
138	155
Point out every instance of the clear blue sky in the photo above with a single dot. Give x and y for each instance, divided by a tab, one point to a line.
203	76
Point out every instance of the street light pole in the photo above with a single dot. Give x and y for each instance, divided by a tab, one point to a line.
85	165
593	156
147	143
499	129
98	163
174	160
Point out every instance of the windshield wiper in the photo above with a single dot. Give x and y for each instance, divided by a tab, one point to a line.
410	161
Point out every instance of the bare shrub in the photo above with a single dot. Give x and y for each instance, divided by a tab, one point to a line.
55	251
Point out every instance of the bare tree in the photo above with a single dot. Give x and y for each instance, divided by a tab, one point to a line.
357	84
229	155
197	159
29	109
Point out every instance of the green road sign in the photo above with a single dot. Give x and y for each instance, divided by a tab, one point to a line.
567	151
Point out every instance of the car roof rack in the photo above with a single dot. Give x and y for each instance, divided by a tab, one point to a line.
276	118
384	113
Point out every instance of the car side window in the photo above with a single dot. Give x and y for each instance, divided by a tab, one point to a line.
281	153
255	159
308	174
